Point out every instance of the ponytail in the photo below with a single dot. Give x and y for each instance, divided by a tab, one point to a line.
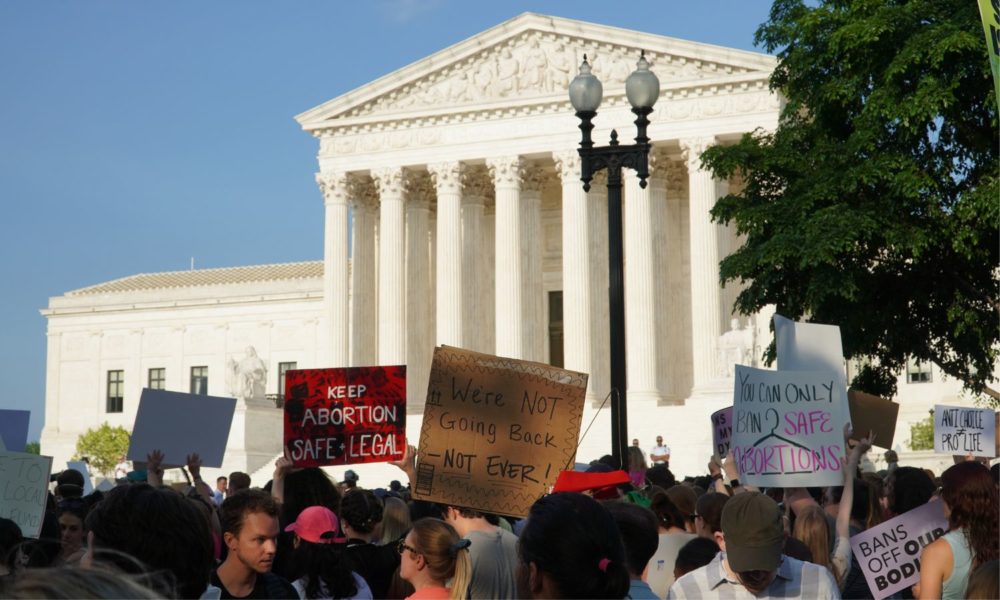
463	575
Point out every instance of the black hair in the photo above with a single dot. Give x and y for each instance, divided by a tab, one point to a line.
160	529
420	509
637	526
667	513
661	476
696	553
860	506
323	565
10	540
305	488
911	488
361	510
573	539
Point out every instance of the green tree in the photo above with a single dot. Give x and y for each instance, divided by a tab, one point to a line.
922	434
103	447
874	204
33	448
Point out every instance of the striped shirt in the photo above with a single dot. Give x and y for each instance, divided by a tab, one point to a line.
795	579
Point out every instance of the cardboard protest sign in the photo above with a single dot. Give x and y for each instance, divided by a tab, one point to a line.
179	424
872	413
345	416
496	431
788	428
722	431
964	430
24	486
889	553
14	429
84	469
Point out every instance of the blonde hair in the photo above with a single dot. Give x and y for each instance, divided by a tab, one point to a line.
445	552
395	520
812	530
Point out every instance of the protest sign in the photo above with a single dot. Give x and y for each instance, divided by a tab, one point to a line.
964	430
14	429
889	553
179	424
722	431
788	428
24	486
345	416
84	469
875	414
496	431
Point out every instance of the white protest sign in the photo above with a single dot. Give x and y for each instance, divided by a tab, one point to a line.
84	469
788	427
24	486
964	430
179	424
810	347
722	431
889	553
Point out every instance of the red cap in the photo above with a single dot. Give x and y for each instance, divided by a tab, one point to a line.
317	524
574	481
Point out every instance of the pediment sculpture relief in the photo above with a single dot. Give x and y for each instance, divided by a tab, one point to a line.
533	64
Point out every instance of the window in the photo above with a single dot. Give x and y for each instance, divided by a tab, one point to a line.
556	358
199	380
918	372
157	379
284	367
116	392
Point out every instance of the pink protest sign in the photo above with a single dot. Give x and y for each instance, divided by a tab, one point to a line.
889	554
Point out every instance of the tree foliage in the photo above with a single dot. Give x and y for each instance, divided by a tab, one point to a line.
874	204
33	448
922	433
103	447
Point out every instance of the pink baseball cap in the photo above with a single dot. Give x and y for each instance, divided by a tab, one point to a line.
317	524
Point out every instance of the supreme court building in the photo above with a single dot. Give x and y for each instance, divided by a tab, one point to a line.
454	214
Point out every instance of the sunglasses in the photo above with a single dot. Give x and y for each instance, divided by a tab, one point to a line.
402	545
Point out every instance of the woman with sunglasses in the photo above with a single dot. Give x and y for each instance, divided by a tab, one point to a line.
431	554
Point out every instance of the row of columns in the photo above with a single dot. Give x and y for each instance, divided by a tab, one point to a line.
454	276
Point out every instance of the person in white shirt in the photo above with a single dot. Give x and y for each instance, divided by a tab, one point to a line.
660	454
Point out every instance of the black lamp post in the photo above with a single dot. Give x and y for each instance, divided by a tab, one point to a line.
585	91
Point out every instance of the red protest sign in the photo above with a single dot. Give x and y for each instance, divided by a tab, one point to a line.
345	416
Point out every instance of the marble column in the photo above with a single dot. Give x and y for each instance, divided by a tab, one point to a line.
706	326
674	287
535	331
419	314
364	299
577	235
510	322
335	277
391	273
450	285
487	298
641	343
477	306
600	309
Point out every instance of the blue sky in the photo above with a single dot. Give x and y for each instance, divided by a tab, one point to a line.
136	135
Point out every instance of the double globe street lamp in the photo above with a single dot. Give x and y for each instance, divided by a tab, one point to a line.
585	93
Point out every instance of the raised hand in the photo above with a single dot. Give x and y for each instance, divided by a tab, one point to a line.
193	462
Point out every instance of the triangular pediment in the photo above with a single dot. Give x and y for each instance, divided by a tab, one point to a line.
530	60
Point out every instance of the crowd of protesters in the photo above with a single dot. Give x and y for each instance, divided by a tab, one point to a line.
604	533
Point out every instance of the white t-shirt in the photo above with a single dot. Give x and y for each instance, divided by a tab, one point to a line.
364	592
659	450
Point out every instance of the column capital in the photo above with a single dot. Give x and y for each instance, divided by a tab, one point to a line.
507	171
477	183
675	172
568	166
419	188
691	149
389	181
533	178
333	187
447	176
362	192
